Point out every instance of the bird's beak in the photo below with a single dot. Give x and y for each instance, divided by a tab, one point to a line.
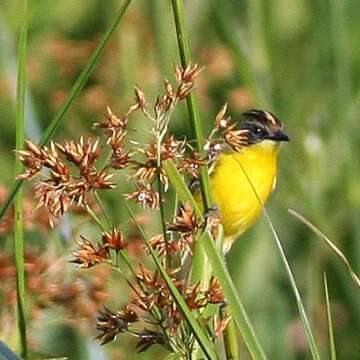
278	136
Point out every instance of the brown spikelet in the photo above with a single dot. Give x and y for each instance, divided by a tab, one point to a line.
112	122
221	325
145	196
88	255
186	221
237	139
111	323
114	240
191	164
214	294
221	121
140	98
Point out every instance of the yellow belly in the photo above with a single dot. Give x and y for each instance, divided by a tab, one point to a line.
239	207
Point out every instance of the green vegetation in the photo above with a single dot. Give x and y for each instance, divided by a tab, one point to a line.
298	59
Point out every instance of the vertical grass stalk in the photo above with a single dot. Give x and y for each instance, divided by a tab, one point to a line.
206	242
200	263
192	104
18	220
329	320
309	334
200	335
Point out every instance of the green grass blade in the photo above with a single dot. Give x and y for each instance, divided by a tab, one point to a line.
198	332
331	245
7	353
236	308
74	93
192	104
309	334
18	220
329	320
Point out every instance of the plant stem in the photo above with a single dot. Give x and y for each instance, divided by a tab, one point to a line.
236	308
329	320
161	196
229	336
19	228
193	108
102	207
199	333
126	258
309	334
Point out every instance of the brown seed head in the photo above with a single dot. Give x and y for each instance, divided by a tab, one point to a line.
221	325
237	139
88	255
114	240
112	122
221	121
113	323
145	196
214	294
186	221
191	164
140	98
82	154
149	338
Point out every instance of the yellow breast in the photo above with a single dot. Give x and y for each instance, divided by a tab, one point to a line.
239	207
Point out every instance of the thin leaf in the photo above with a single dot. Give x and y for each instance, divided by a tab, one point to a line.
236	308
192	104
331	245
198	332
311	339
74	93
329	320
18	215
6	352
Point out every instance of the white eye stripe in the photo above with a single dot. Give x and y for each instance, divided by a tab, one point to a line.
270	117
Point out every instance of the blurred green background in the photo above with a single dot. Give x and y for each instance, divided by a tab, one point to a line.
299	59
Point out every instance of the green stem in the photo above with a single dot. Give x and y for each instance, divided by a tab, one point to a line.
98	222
329	320
161	196
200	335
102	207
74	93
126	258
309	334
229	336
19	228
192	105
200	263
236	308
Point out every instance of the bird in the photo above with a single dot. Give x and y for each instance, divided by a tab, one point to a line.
241	181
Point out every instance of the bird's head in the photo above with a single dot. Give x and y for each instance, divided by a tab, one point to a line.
261	126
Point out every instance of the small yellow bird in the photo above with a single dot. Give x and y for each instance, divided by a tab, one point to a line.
243	180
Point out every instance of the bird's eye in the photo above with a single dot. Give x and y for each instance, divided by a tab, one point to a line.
259	130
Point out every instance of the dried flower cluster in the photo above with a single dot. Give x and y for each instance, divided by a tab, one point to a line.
154	307
81	296
73	173
228	136
63	186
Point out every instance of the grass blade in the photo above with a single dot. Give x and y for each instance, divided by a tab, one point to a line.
198	332
7	353
329	320
311	339
192	104
18	215
331	245
74	92
236	308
